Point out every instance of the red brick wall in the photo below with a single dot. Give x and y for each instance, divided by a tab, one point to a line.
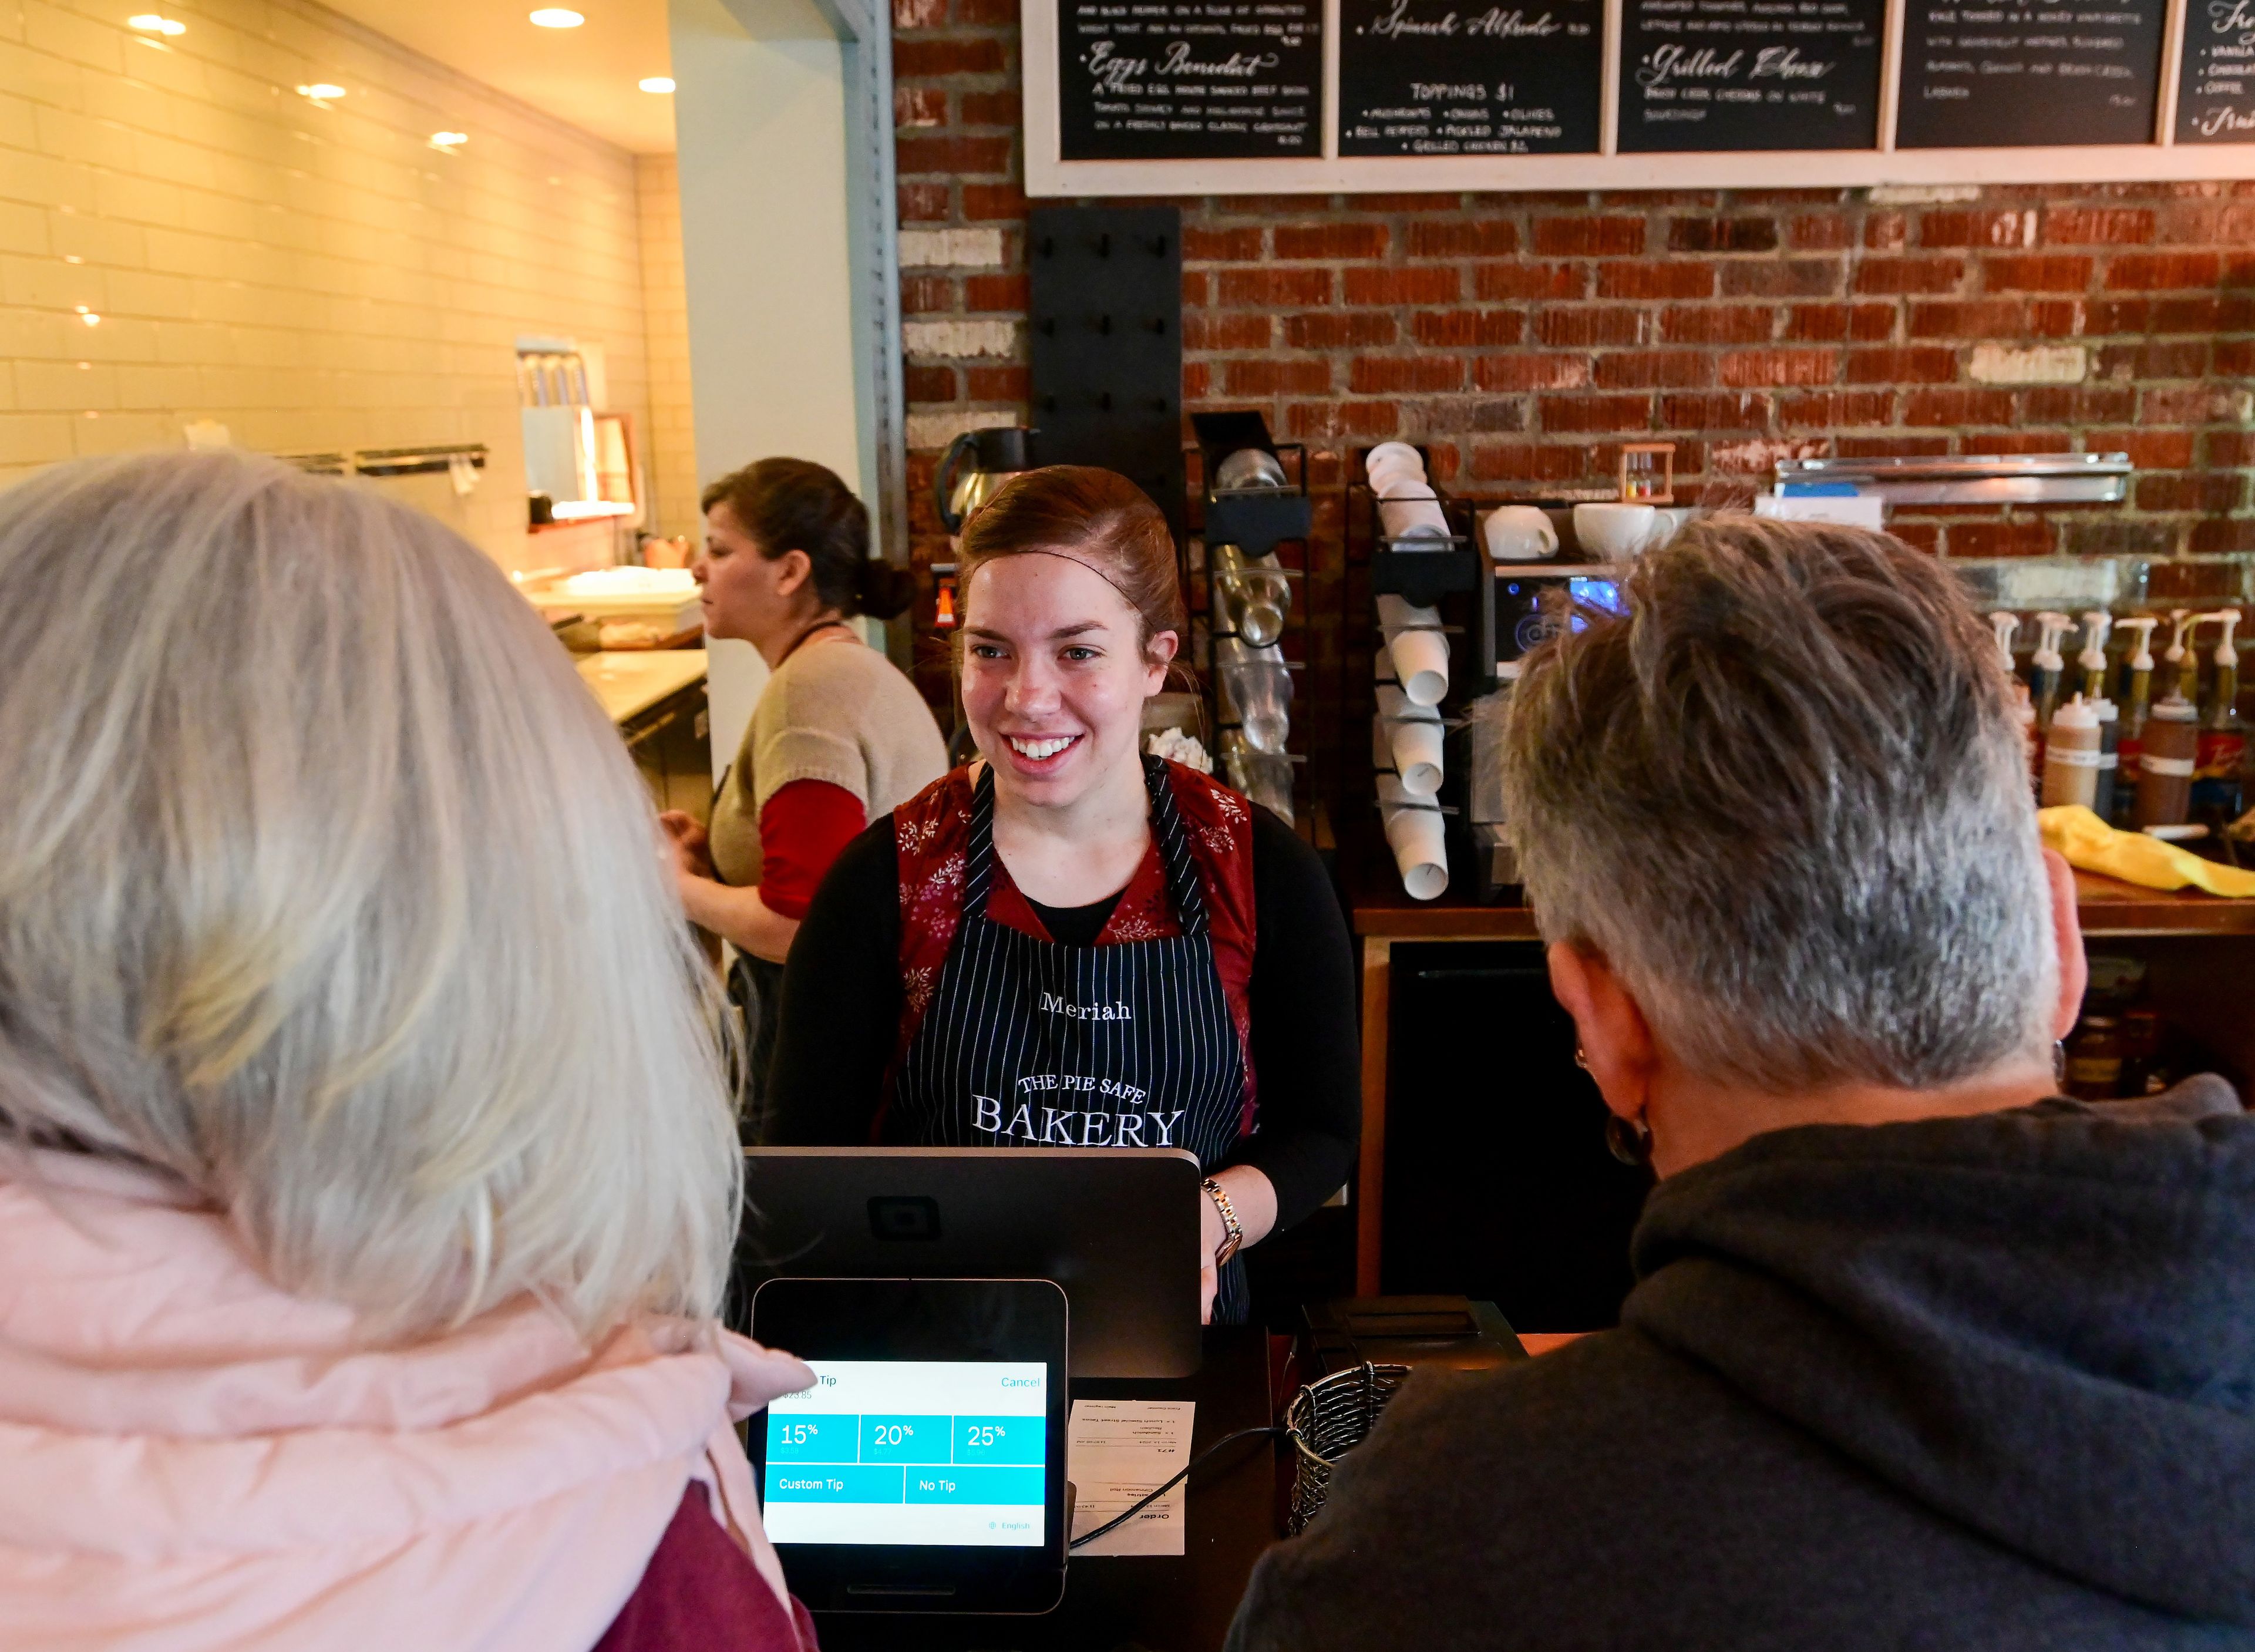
1522	337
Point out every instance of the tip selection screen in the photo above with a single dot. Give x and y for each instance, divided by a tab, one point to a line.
910	1452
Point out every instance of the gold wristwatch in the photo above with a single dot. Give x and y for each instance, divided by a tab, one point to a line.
1233	1238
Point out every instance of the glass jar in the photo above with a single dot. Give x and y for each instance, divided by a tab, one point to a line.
2094	1059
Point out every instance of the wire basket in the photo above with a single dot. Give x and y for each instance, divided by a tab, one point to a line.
1328	1419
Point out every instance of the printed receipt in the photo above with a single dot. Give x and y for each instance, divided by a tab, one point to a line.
1119	1451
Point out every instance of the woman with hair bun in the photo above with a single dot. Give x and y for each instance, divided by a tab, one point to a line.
1068	943
839	736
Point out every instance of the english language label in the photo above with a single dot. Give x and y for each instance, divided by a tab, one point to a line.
1189	80
2028	76
1429	77
2216	85
1720	75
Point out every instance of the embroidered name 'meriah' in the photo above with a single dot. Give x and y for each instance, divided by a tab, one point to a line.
1050	1004
1065	1127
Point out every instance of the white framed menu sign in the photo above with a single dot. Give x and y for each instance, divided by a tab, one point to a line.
1176	97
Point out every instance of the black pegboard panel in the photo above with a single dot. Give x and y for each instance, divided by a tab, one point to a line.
1106	342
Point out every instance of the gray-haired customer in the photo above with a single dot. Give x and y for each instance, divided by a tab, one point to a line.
1919	1356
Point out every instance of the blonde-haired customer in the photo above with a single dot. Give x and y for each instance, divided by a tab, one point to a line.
368	1177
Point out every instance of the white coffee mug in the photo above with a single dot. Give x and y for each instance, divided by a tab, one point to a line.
1519	533
1614	532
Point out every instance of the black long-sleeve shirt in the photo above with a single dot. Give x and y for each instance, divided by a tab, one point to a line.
842	1003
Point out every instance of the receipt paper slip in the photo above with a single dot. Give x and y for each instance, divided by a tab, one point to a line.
1119	1453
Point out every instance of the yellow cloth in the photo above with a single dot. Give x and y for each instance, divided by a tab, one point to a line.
2089	842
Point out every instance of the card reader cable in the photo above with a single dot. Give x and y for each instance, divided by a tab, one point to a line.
1196	1462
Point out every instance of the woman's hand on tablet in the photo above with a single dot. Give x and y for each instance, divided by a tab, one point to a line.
1209	1281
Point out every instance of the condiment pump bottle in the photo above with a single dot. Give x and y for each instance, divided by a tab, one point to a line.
2222	738
2047	664
2137	672
2095	624
2006	625
2172	680
2137	690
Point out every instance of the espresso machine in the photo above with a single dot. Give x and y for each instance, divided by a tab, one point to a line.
974	469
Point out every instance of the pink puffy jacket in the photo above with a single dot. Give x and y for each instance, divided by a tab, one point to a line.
193	1460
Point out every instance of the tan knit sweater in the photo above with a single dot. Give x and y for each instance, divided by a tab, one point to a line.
837	712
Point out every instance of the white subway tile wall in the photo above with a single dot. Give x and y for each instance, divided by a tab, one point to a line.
310	276
670	447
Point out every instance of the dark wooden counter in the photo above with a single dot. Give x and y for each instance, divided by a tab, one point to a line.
1379	911
1380	914
1138	1603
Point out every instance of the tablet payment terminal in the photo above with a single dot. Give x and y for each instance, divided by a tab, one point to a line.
925	1470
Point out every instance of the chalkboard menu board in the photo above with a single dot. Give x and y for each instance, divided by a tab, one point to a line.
2016	76
1190	80
1736	74
2215	94
1425	77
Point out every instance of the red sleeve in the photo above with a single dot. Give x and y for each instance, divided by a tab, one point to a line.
701	1593
801	828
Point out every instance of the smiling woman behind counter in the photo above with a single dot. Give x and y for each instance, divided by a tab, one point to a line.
1068	943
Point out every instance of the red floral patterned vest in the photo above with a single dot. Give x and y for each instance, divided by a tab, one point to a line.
932	833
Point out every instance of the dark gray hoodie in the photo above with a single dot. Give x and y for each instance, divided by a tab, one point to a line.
1969	1383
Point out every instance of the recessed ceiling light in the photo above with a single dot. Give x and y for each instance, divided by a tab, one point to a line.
449	142
150	23
556	17
656	83
88	316
320	91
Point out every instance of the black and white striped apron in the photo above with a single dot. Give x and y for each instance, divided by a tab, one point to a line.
1030	1043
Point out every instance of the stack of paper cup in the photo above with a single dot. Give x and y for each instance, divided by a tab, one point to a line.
1413	739
1420	651
1411	511
1391	461
1407	508
1413	831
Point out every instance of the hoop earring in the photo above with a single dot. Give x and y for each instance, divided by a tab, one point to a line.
1628	1140
2059	1062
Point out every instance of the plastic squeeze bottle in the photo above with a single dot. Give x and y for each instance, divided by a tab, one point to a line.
2109	756
2071	756
2166	764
